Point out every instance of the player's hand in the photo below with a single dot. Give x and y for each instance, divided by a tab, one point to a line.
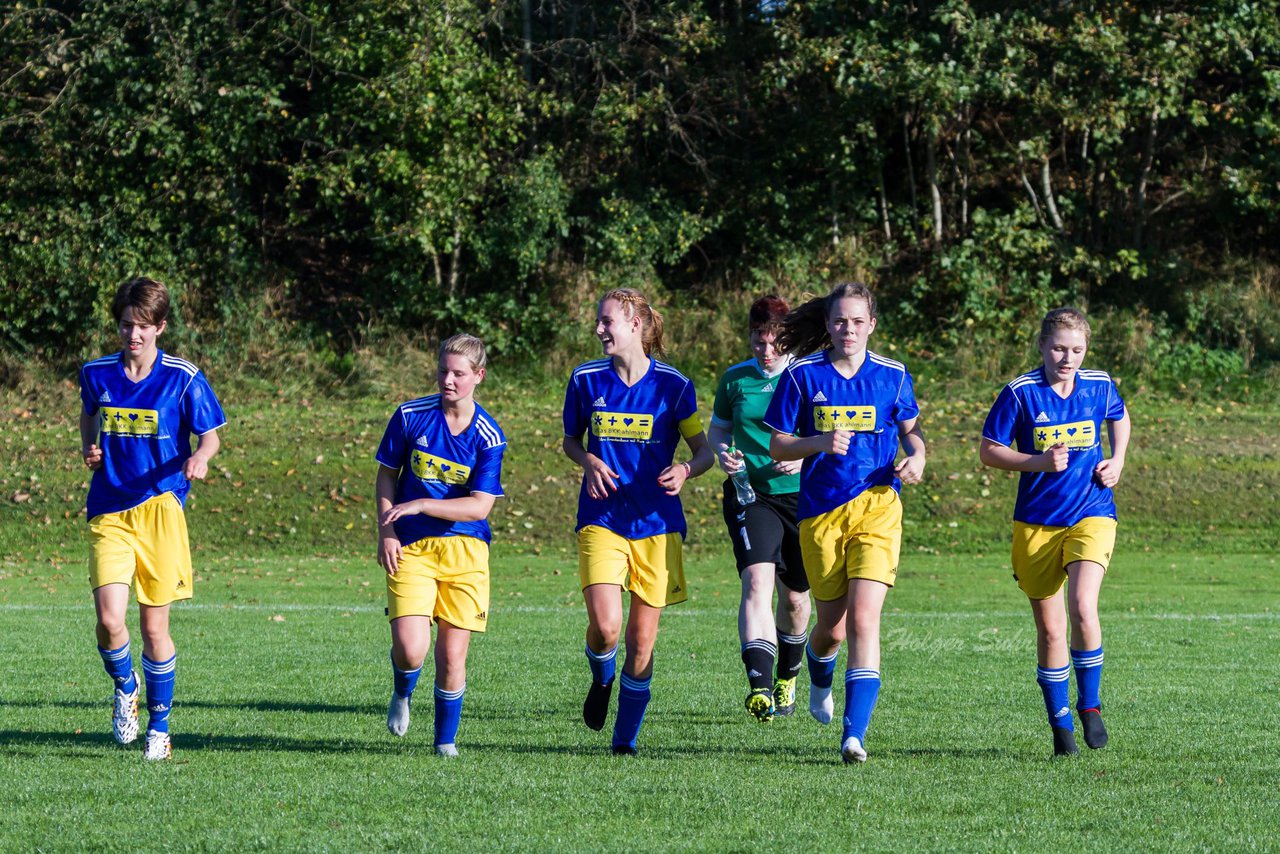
673	477
731	461
1107	472
836	442
93	458
788	466
1054	458
389	553
195	468
911	469
601	480
408	508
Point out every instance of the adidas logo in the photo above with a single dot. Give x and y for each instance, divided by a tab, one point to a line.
676	589
742	517
106	398
769	387
422	440
181	584
753	673
1042	418
482	615
819	398
599	401
1064	711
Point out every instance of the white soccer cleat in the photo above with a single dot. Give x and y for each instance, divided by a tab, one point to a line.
124	714
821	706
398	715
158	747
852	750
446	750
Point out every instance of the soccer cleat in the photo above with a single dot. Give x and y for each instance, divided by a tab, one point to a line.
821	706
446	750
596	707
398	714
760	704
784	696
158	747
623	750
124	714
1064	742
1095	732
852	750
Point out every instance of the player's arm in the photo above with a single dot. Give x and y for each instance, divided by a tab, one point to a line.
385	498
1108	471
673	476
784	446
601	480
470	508
999	456
911	469
197	465
89	449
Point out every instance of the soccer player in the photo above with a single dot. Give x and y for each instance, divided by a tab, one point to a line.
1047	424
764	533
439	473
140	407
844	410
633	410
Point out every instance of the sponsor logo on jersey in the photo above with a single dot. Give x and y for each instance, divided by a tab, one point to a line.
622	425
769	387
431	467
422	440
1075	434
130	422
599	402
106	398
1042	418
858	419
819	398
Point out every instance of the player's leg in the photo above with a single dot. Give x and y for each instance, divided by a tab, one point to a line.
410	642
637	674
793	612
822	543
159	666
862	677
603	563
823	648
1084	582
1053	670
452	644
111	604
756	632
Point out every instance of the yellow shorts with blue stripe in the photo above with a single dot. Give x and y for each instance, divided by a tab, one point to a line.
651	568
1042	553
145	546
444	578
859	539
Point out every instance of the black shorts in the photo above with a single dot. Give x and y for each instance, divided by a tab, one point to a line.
766	531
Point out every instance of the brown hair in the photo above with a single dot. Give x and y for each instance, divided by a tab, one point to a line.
766	314
650	321
148	298
463	344
804	330
1064	318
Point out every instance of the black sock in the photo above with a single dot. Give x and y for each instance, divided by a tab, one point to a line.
758	657
791	654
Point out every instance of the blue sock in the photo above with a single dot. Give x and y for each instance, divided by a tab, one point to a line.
119	664
448	714
821	670
861	688
1088	667
604	665
404	681
159	678
1055	684
633	699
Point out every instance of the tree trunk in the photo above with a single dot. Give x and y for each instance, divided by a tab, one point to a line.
935	195
1046	187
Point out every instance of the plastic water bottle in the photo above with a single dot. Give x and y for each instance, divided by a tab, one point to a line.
742	484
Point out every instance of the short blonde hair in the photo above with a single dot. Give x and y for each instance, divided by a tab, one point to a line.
1064	318
463	344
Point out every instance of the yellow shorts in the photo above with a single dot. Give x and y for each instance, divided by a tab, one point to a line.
651	568
445	578
859	539
145	546
1041	553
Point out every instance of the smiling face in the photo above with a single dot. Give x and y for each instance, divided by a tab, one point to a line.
138	334
850	324
457	378
618	331
1063	352
764	348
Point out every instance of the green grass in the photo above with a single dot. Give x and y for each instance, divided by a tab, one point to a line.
280	739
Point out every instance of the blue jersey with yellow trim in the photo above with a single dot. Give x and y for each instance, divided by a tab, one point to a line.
634	430
813	398
434	463
1029	412
144	428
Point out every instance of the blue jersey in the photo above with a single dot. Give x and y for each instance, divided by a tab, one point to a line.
1032	414
634	430
434	463
145	428
813	398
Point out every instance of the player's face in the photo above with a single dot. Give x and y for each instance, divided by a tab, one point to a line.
850	324
1063	353
456	378
617	331
764	346
138	336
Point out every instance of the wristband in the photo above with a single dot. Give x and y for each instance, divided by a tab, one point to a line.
688	470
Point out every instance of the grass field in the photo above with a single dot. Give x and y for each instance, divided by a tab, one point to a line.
283	677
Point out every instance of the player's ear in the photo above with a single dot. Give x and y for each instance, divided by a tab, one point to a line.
479	376
161	327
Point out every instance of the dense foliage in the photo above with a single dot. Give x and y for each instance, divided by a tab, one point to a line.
329	169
